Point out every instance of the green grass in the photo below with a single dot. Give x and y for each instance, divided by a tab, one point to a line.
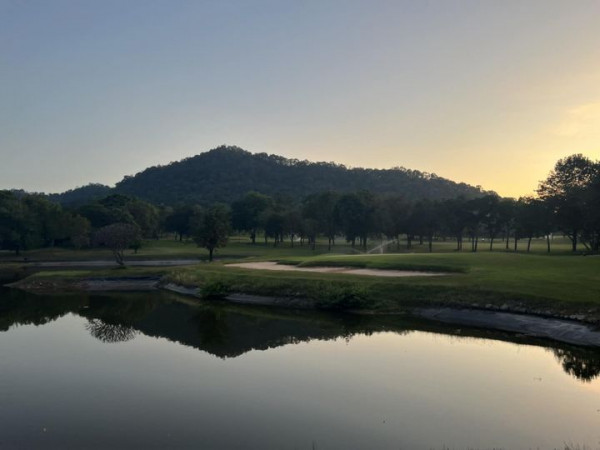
567	278
569	284
239	247
559	281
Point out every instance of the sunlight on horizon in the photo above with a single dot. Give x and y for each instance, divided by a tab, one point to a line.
488	94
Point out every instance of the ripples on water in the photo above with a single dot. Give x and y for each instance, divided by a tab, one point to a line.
156	369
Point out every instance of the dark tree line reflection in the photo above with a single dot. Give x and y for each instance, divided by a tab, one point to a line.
228	331
109	332
579	363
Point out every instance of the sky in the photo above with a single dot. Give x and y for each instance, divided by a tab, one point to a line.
490	93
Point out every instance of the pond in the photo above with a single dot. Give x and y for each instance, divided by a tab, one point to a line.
157	370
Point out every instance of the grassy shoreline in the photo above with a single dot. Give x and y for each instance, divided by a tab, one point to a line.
478	286
558	285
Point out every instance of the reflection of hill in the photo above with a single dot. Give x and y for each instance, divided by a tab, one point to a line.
228	331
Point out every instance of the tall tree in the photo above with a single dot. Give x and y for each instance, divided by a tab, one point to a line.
355	213
392	214
118	237
321	208
427	220
455	218
564	189
491	217
248	211
178	221
213	229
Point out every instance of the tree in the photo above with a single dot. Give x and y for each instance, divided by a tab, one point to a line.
354	213
427	221
17	226
179	220
491	217
455	218
293	224
565	190
77	229
321	208
118	237
591	233
506	217
248	211
392	213
213	229
528	216
275	226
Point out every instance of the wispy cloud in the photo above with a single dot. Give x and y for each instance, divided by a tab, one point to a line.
580	121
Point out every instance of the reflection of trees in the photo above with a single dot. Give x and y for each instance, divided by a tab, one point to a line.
112	318
110	332
228	330
21	308
119	308
212	327
580	363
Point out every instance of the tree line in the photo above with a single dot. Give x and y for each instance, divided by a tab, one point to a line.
567	202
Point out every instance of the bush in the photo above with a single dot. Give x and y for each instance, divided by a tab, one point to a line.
214	288
341	297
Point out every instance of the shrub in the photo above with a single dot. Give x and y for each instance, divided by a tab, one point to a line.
214	288
341	297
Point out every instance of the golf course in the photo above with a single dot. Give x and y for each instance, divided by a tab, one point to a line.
559	284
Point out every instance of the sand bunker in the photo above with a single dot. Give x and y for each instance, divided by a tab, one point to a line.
270	265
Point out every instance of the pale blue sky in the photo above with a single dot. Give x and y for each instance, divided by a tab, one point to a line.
489	93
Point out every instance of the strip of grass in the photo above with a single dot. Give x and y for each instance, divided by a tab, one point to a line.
564	278
240	247
535	282
532	282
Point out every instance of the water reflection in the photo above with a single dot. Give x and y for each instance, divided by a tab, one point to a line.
110	332
227	331
580	363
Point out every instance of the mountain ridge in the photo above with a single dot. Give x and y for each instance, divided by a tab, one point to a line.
225	173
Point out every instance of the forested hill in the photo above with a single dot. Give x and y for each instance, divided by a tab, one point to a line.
81	195
226	173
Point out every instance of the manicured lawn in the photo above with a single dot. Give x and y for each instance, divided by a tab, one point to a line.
534	282
240	247
539	281
568	278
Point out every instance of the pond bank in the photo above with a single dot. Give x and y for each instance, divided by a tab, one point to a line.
463	306
568	331
558	329
275	266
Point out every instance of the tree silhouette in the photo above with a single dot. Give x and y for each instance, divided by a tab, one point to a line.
110	332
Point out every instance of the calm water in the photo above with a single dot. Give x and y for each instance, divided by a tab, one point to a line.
159	371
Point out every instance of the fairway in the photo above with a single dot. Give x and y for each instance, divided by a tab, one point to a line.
557	283
568	278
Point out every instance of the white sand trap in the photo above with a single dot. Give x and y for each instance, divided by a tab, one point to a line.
270	265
